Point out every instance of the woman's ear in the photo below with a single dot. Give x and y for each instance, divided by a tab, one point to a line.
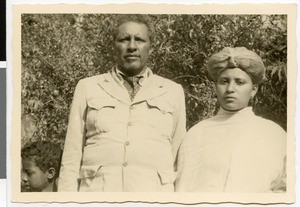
51	172
150	50
254	90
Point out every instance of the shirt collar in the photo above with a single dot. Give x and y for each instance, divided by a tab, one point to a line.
246	110
141	77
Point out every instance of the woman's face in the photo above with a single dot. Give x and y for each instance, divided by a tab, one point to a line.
234	89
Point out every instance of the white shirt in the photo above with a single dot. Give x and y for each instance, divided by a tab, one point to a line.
231	152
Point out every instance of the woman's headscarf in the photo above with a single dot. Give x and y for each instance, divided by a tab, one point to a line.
238	57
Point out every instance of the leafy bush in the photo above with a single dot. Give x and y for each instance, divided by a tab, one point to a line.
60	49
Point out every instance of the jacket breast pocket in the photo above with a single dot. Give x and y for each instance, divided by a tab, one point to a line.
160	114
101	114
91	179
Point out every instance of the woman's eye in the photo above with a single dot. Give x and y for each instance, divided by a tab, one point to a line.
240	82
222	81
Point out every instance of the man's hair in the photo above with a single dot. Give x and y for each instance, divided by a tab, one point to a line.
44	154
138	18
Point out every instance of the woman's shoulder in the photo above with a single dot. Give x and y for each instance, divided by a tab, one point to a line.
199	127
205	122
267	124
269	131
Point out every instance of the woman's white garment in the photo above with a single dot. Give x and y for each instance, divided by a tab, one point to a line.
231	152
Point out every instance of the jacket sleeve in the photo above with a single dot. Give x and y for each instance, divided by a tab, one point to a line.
73	147
180	124
180	180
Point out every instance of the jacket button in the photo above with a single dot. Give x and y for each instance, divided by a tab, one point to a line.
131	107
127	143
129	123
125	164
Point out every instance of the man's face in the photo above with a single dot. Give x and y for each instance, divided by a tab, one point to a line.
132	46
234	89
33	177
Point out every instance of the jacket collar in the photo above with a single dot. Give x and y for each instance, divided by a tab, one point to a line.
141	77
152	87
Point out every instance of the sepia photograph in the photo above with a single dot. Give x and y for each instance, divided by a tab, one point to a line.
2	121
186	106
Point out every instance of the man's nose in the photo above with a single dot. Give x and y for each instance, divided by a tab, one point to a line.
132	45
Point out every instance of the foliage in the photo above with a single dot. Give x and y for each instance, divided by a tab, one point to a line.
60	49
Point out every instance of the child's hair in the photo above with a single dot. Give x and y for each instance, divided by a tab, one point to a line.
44	154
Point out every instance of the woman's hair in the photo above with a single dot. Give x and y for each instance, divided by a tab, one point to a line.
44	154
238	57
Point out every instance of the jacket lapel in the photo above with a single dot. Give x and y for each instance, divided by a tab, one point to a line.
114	88
153	87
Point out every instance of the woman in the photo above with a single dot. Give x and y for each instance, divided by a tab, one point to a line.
235	151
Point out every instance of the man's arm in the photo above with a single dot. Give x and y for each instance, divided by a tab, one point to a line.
179	124
72	154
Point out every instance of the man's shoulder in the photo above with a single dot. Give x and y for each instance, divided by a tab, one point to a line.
165	81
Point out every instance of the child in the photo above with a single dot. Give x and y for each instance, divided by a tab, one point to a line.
40	165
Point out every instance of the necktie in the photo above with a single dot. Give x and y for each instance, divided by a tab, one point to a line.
132	85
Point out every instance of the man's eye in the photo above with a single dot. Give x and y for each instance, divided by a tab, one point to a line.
138	39
124	39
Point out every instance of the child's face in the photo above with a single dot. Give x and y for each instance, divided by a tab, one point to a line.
33	177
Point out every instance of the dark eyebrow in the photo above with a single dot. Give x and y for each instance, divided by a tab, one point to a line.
139	37
224	77
240	79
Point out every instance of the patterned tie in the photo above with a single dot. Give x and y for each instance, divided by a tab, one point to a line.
132	85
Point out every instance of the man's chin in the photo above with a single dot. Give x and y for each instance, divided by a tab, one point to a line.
131	70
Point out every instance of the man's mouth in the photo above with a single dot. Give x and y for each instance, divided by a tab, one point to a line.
131	56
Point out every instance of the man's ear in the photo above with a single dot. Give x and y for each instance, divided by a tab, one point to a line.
51	172
254	90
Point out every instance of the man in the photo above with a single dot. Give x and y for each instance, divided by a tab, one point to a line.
125	126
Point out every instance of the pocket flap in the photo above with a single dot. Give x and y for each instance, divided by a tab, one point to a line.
166	177
89	171
163	105
98	103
